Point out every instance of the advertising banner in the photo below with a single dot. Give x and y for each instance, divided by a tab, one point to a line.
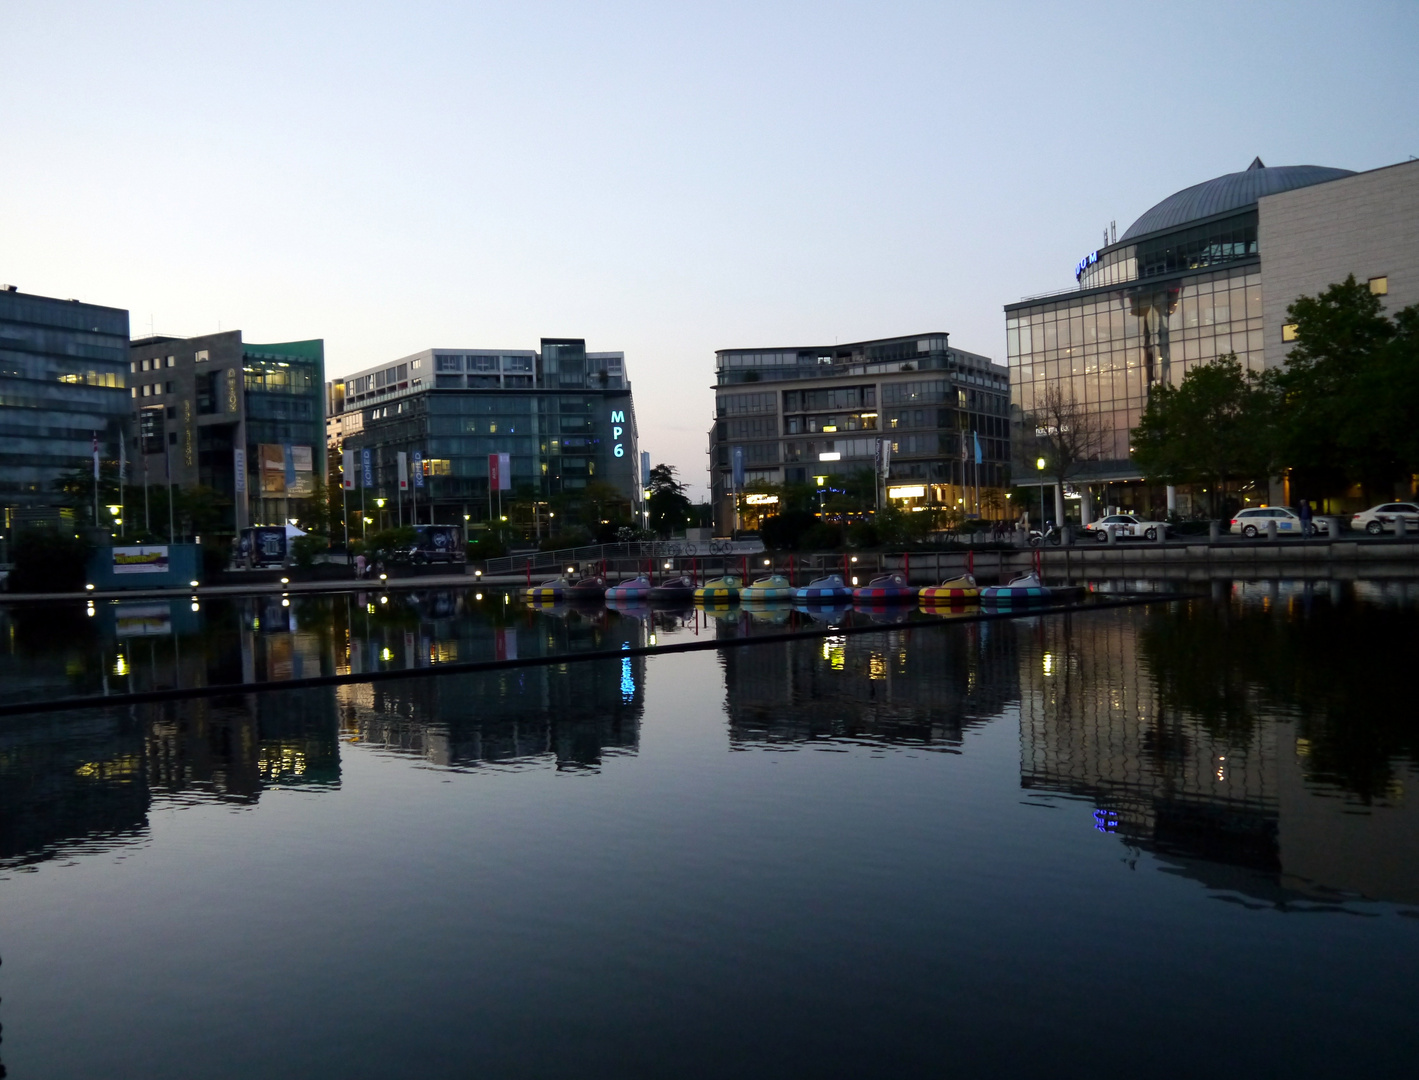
402	470
271	458
239	469
417	458
738	468
148	559
499	473
347	471
300	472
367	467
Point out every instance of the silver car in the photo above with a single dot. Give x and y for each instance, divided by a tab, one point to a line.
1380	519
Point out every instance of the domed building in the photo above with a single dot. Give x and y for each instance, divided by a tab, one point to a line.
1205	272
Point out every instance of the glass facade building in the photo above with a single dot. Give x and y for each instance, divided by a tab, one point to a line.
219	412
1182	287
789	414
563	415
63	383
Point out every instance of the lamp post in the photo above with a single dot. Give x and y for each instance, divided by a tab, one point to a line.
1040	465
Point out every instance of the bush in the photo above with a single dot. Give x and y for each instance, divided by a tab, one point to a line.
49	562
863	534
486	547
823	536
785	531
216	557
573	537
304	549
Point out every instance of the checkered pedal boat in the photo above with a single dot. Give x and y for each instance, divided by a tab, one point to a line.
886	589
1025	589
551	589
954	590
773	587
720	590
638	588
824	588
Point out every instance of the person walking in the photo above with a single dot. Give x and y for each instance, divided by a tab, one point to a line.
360	566
1305	511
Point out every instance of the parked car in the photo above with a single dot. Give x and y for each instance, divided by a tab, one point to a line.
1253	521
1126	525
1380	519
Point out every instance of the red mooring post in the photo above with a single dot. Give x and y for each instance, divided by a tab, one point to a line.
846	579
746	570
907	566
970	561
529	573
793	569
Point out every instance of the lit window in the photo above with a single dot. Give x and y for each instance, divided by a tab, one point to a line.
1288	332
201	358
147	390
145	365
1379	286
172	360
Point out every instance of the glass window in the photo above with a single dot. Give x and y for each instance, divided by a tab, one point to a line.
1379	286
1288	332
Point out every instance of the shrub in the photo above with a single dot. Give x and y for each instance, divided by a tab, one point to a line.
49	562
785	531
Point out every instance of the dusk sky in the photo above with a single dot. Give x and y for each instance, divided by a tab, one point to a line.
660	179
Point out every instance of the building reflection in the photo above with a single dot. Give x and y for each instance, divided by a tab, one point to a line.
86	780
1202	733
913	686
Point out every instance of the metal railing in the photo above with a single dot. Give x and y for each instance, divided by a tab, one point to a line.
636	549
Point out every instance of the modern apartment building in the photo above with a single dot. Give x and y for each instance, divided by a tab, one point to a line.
1208	271
564	416
788	415
246	420
63	379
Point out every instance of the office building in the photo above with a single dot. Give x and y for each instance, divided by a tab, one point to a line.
792	414
63	379
564	417
1208	271
242	419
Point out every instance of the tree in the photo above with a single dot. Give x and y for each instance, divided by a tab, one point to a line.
1216	426
1350	391
1067	433
669	507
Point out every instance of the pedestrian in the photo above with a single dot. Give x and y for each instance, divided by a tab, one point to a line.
360	565
1305	509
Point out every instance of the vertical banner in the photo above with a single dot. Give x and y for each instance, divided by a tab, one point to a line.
301	477
96	457
402	470
645	468
239	469
288	454
976	437
738	468
494	460
504	472
347	471
417	458
271	460
367	467
883	457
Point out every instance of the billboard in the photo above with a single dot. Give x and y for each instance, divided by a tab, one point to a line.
147	559
286	470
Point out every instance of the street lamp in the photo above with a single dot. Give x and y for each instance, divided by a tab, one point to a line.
1040	465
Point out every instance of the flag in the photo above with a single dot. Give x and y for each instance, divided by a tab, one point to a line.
738	468
347	471
402	470
504	472
96	457
977	439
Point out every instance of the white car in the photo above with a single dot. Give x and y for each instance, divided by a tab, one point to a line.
1253	521
1380	519
1126	525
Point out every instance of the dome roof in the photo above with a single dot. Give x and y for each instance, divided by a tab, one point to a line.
1231	192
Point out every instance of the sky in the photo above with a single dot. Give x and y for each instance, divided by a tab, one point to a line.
660	179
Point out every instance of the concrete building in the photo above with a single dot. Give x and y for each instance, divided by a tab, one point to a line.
63	379
564	416
243	419
1208	271
788	415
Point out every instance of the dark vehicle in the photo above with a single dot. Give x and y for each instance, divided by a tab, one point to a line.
437	544
263	545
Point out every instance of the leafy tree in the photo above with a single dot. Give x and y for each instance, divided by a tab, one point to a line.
46	561
1216	426
1350	389
669	507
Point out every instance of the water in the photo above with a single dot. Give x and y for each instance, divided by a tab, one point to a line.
1152	840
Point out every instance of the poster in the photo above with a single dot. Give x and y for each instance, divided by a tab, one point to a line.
148	559
272	460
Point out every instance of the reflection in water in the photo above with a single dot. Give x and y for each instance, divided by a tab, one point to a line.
86	780
1262	748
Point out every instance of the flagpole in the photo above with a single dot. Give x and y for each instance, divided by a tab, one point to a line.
96	479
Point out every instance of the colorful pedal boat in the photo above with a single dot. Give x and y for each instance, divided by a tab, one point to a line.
1027	588
720	590
638	588
951	591
886	589
824	589
551	589
773	587
587	588
677	589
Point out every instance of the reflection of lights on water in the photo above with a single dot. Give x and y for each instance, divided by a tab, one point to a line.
835	652
652	639
1049	663
196	606
384	599
120	665
369	608
1222	767
477	596
1106	820
386	653
628	680
91	609
876	666
285	603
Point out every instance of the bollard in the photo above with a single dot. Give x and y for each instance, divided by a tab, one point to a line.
1111	534
1214	531
1066	535
1271	531
1332	528
1401	530
1162	528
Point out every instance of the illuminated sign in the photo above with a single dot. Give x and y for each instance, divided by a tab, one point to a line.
830	455
760	500
914	491
1084	264
618	421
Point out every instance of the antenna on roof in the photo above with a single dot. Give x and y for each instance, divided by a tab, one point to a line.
1113	230
1256	163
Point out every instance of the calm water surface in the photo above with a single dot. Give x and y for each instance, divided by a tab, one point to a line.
1167	840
